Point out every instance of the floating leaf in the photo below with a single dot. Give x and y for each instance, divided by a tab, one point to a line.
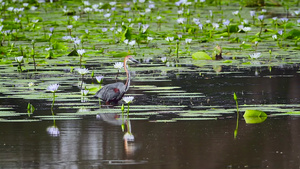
295	33
254	113
201	56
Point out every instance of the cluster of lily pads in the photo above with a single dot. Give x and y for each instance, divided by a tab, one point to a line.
35	35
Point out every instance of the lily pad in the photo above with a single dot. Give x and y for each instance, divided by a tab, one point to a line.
201	56
254	113
254	120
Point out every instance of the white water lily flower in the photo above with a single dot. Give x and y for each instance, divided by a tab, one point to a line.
30	84
226	22
188	40
128	99
51	29
99	79
260	17
104	29
86	3
180	20
53	88
112	3
158	17
70	26
149	38
67	37
169	39
118	65
284	20
215	25
76	17
84	92
80	51
246	29
87	10
19	59
126	41
107	15
274	37
179	12
33	8
126	9
47	49
82	71
235	13
163	59
132	43
255	55
145	27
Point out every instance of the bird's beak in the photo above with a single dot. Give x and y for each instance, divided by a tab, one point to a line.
133	60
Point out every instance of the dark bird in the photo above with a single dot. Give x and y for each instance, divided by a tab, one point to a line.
115	91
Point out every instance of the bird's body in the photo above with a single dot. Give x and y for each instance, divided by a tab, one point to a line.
111	92
115	91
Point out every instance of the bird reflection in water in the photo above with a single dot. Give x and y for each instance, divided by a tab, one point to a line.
112	93
130	146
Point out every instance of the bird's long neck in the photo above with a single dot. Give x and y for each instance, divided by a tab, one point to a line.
127	84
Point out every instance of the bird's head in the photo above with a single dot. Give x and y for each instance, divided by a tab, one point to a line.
131	59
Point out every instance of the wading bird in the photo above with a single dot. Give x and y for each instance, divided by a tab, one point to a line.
115	91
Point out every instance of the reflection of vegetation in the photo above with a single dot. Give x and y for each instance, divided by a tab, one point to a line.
237	115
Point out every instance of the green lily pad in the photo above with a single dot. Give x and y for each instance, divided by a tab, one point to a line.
254	113
201	56
254	120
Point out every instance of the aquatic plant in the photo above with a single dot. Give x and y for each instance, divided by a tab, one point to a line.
80	53
255	55
226	23
33	53
53	88
82	72
128	100
119	66
252	14
261	19
237	115
169	39
30	109
84	92
19	59
99	80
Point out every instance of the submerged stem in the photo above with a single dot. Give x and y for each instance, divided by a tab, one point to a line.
53	102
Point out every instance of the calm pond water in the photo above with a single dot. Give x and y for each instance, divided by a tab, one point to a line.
96	141
183	116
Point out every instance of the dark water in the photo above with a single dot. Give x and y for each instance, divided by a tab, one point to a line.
92	143
97	141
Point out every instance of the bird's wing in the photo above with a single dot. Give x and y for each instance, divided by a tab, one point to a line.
111	91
